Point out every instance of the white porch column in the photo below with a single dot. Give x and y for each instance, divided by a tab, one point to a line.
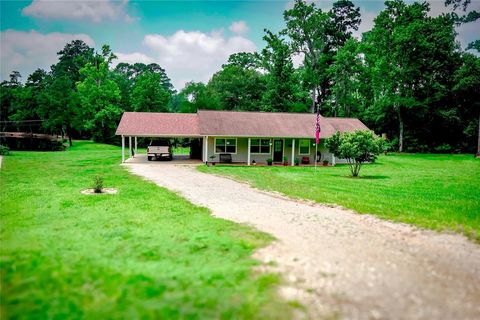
293	152
135	146
248	152
205	149
130	147
123	149
333	159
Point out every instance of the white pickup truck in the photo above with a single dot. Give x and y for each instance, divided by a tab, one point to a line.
159	152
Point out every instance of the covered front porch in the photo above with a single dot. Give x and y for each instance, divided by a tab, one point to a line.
264	150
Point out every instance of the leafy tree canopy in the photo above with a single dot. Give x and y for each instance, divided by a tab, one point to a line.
356	147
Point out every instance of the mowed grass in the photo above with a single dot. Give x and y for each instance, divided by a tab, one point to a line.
181	150
143	253
433	191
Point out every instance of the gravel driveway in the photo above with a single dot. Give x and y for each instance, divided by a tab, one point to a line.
338	263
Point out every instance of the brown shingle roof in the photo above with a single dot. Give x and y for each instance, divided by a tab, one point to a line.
232	123
346	124
261	124
152	124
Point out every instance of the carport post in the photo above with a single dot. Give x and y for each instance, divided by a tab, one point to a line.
248	152
135	147
205	141
293	152
123	149
130	147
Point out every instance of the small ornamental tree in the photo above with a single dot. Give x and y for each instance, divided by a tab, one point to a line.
356	147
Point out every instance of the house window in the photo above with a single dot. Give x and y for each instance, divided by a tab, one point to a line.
225	145
260	146
304	146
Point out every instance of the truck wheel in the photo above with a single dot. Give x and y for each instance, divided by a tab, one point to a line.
149	158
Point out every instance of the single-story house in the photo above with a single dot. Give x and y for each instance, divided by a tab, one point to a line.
245	137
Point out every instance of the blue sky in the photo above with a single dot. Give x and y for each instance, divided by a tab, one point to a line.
190	39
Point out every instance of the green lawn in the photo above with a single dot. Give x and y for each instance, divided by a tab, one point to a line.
432	191
181	150
143	253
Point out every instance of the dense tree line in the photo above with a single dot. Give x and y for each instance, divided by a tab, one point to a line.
407	77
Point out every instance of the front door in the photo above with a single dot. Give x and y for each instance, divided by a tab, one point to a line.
277	150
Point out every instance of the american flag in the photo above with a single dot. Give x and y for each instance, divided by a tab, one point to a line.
317	127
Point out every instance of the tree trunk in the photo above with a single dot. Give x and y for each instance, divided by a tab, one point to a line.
314	100
400	133
69	134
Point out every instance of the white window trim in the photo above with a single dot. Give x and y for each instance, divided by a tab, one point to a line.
309	150
215	145
260	145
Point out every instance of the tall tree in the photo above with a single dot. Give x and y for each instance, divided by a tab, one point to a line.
345	72
99	97
245	60
467	96
306	26
9	93
132	71
32	96
281	84
62	108
237	87
408	51
196	96
148	93
317	35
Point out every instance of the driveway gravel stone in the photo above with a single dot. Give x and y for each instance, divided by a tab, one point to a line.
338	263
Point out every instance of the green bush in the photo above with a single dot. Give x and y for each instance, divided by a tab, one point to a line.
356	147
98	184
4	150
444	148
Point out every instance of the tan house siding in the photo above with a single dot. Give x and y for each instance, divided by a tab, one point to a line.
241	155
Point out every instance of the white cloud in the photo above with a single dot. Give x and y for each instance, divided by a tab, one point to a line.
238	27
132	58
366	24
297	59
191	55
95	11
27	51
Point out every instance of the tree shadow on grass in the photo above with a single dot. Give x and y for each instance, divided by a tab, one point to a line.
361	177
377	177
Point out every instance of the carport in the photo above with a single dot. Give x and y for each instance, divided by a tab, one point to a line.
134	125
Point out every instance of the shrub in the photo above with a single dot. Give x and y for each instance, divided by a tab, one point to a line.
269	160
4	150
356	147
98	184
444	148
297	161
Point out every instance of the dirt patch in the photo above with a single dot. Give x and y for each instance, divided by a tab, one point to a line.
104	191
339	263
